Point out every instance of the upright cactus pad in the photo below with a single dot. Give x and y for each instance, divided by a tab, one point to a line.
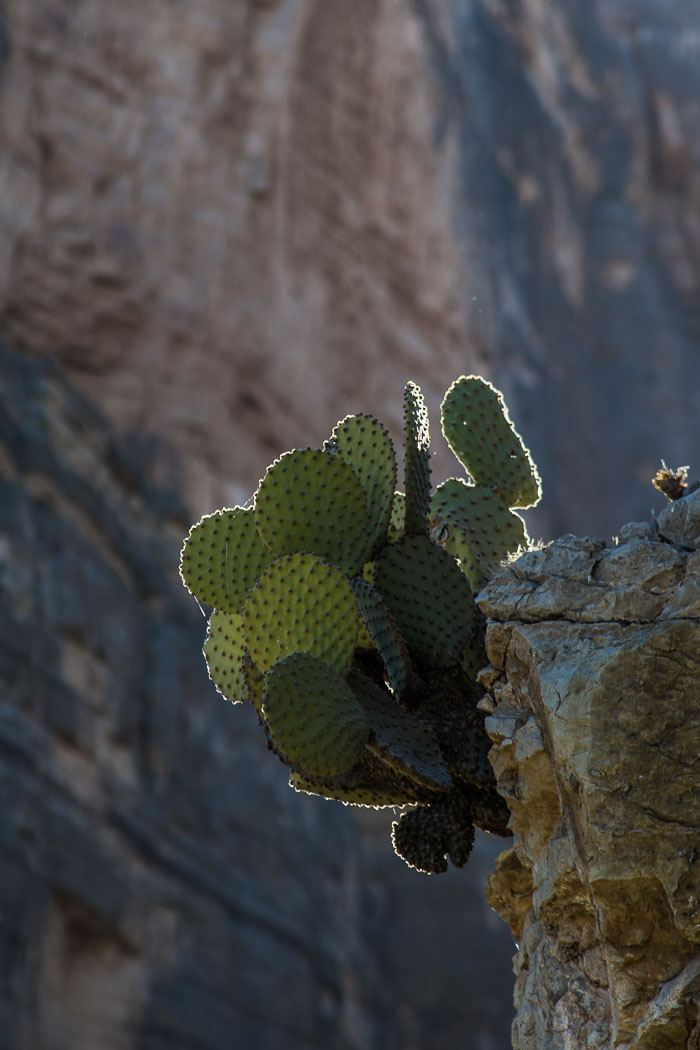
416	432
343	611
477	527
397	522
364	444
301	604
479	431
222	558
313	716
384	633
224	650
313	501
428	596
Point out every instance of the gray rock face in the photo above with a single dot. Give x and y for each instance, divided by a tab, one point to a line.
595	719
161	885
578	137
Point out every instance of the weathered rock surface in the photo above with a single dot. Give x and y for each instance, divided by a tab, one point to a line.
229	221
595	718
235	222
161	885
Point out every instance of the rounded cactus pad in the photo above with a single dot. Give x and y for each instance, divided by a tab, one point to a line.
384	634
402	741
364	444
425	836
418	841
416	431
313	715
429	597
373	794
479	431
477	520
302	604
313	501
222	558
223	651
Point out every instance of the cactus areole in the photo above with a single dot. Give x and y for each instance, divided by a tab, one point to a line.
344	611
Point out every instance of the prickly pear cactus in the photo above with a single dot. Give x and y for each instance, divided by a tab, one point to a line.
343	611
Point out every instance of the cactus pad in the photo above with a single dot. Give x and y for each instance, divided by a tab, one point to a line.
300	603
424	836
223	651
384	634
313	501
364	444
416	461
254	681
373	795
397	521
479	431
428	596
313	715
222	558
479	521
401	740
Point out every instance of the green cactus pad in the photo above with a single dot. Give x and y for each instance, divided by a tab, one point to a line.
313	715
428	596
254	681
222	558
453	540
383	632
371	795
398	517
405	743
223	652
313	501
479	431
364	444
479	521
301	604
416	461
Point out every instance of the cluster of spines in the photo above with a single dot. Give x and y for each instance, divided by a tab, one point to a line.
334	602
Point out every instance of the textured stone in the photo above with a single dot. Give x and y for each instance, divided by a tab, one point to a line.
596	730
235	222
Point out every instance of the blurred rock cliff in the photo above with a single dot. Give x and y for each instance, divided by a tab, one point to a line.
225	225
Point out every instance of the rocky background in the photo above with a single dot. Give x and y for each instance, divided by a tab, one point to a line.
226	225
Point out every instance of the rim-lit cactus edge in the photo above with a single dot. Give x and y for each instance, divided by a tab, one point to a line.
344	611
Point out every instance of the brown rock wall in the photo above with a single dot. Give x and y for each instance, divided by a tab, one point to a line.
229	222
594	718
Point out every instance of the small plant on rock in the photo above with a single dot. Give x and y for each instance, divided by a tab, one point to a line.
344	611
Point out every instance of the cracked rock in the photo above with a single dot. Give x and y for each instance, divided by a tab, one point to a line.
594	685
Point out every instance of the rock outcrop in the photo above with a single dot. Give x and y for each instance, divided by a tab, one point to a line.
595	719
